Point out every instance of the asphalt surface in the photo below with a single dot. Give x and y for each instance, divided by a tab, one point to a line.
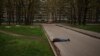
79	44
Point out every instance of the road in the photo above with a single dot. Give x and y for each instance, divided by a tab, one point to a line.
80	44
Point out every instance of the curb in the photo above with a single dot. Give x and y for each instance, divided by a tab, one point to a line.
55	50
79	31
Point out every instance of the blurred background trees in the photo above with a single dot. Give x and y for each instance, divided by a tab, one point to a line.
69	11
84	11
18	11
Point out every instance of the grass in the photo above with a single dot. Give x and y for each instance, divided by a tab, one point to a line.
94	28
24	30
20	46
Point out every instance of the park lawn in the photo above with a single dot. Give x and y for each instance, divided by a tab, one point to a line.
95	28
24	30
20	46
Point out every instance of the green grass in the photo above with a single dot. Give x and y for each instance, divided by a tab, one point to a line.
20	46
95	28
24	30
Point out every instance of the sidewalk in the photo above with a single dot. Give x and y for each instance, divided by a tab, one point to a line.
86	32
79	44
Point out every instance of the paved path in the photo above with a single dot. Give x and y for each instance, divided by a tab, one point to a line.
90	33
80	44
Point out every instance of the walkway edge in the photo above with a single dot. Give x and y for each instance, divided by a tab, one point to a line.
92	35
51	44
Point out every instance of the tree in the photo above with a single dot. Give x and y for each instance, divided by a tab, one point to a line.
1	10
